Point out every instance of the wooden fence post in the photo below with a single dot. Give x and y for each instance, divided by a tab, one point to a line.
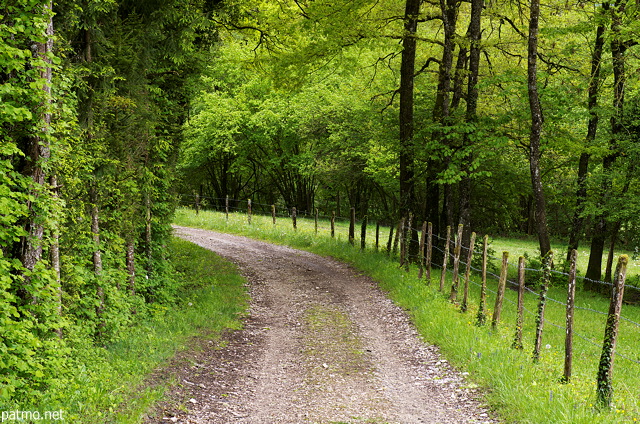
273	214
467	274
197	203
226	207
249	211
316	221
571	296
429	251
294	218
377	235
497	310
481	318
390	241
446	259
605	369
333	224
395	239
456	265
352	226
423	236
546	276
408	233
363	233
517	341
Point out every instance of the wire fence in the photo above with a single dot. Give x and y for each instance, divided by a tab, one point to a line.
457	256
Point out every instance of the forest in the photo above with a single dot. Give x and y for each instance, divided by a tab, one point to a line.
514	118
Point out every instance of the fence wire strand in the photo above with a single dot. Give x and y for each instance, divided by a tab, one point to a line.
451	256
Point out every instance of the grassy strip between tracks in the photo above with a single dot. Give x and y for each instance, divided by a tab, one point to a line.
517	389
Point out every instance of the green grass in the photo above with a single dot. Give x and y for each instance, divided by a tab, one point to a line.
109	384
519	390
528	245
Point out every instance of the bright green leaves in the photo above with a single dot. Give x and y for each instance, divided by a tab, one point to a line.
117	103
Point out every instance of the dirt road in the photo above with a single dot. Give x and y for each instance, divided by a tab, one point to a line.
321	345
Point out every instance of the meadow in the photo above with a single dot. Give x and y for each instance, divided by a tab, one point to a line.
517	388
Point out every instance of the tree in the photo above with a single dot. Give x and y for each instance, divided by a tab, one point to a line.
592	128
536	129
407	71
619	45
35	145
474	34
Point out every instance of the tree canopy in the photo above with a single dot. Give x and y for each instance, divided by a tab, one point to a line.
507	117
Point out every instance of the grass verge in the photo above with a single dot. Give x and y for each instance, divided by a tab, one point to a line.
110	383
518	389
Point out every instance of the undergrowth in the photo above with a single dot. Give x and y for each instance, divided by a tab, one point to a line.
108	384
519	390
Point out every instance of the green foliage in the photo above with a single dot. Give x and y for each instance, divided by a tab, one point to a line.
33	357
249	138
107	383
535	278
120	84
286	103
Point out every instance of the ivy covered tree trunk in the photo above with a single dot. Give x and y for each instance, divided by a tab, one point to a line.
37	149
536	130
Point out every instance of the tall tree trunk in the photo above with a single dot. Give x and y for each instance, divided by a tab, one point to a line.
407	76
612	246
442	108
594	268
458	78
407	72
37	152
618	50
536	130
131	264
54	252
97	258
577	222
474	34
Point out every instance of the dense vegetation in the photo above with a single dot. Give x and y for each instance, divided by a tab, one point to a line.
507	117
93	98
309	106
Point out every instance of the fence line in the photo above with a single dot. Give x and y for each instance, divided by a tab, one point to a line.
402	235
418	230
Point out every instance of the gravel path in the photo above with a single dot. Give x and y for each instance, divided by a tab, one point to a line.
322	344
